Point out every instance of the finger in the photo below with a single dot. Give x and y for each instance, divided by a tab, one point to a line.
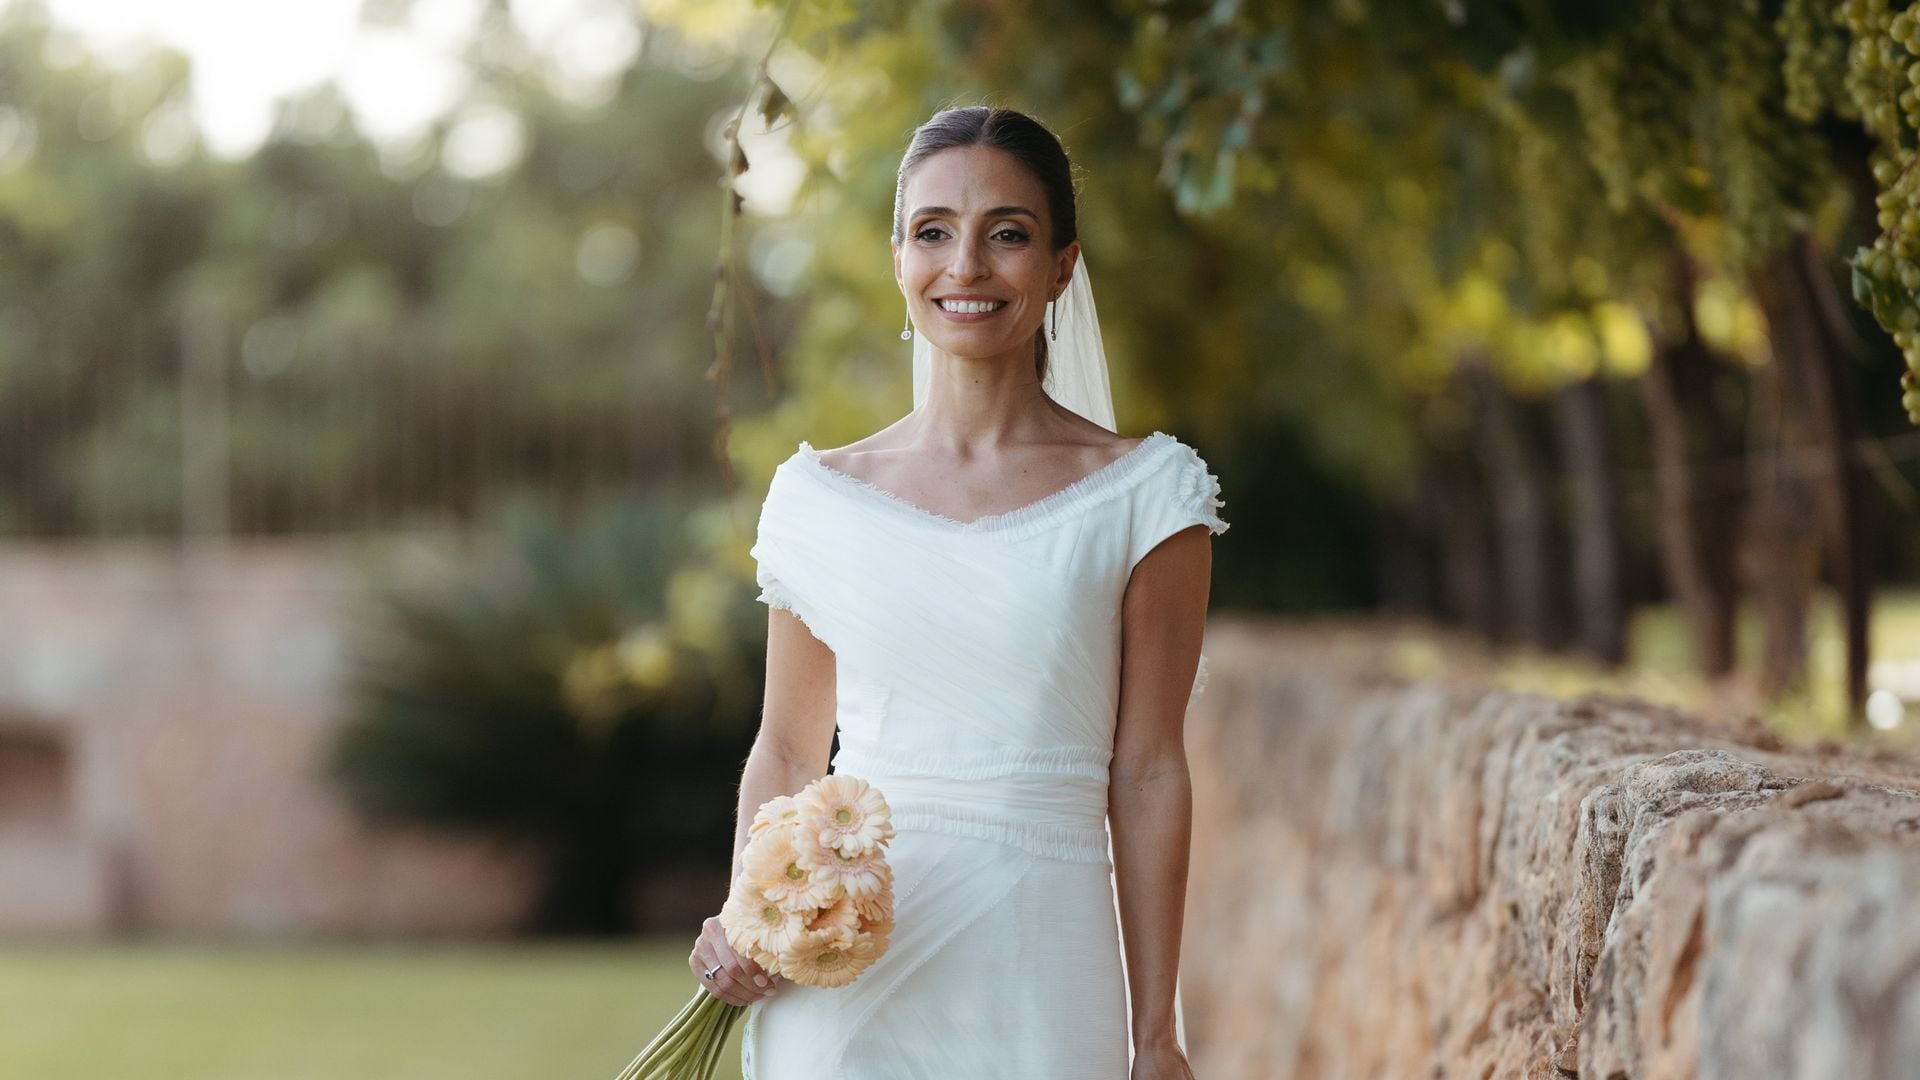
728	982
755	967
743	970
723	985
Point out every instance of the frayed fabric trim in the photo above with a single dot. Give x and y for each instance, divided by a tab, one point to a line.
772	596
1106	482
1200	491
1088	761
775	597
1045	839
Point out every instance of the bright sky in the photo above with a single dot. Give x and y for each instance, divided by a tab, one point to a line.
247	53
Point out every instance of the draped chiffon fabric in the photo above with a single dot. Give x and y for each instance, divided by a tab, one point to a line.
977	670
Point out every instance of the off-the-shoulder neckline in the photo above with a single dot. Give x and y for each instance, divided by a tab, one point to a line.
1077	493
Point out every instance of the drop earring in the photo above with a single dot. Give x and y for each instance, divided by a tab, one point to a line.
1053	307
906	332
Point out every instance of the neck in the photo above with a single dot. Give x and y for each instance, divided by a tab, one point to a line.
985	401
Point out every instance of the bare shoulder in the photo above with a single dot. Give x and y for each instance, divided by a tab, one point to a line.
880	443
1088	445
1113	447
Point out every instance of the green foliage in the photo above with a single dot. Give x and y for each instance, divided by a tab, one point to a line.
1188	305
400	341
1881	88
1312	238
548	695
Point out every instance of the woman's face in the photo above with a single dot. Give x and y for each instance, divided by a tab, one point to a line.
976	225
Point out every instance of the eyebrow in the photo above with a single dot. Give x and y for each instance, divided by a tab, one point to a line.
998	211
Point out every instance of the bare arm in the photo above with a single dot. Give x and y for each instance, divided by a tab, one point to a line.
1150	797
796	723
790	751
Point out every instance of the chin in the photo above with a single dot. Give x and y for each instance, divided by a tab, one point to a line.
967	348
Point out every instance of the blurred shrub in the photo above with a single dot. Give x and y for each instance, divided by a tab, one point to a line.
590	689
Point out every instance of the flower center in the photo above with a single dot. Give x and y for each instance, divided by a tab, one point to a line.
795	871
843	817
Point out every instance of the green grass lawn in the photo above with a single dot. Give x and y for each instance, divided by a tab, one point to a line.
194	1011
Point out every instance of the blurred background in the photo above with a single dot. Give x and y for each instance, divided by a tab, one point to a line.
388	389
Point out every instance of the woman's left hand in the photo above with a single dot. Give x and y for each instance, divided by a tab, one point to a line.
1162	1061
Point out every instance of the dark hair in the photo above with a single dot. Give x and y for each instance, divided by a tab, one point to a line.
1030	143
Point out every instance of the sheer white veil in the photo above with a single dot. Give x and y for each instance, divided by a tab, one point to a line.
1076	359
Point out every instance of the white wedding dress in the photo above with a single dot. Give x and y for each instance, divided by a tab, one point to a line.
978	671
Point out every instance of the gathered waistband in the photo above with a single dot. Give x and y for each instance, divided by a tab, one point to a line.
1051	802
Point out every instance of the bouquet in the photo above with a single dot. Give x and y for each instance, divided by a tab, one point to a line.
813	903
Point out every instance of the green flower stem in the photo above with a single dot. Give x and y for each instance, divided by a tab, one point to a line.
728	1021
710	1050
721	1026
689	1047
665	1045
669	1038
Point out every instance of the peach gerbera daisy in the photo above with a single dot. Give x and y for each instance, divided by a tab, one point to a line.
848	813
830	956
880	930
779	810
774	863
862	873
876	905
840	913
756	926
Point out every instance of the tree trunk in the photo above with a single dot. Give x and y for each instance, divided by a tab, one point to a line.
1457	504
1816	480
1593	514
1849	514
1780	557
1698	499
1521	510
1782	538
1402	572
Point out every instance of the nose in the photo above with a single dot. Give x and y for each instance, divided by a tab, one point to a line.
967	264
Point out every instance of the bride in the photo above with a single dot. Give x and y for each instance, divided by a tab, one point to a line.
998	602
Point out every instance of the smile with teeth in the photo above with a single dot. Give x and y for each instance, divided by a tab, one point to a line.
971	307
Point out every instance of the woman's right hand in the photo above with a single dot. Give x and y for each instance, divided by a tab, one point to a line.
739	981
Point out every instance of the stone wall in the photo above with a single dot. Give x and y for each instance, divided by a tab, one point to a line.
1447	881
160	725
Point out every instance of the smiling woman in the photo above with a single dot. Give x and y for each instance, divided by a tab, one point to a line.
998	603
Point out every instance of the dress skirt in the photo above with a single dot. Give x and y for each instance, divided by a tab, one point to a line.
1004	963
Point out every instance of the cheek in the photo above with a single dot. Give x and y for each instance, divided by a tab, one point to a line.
1035	276
917	268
